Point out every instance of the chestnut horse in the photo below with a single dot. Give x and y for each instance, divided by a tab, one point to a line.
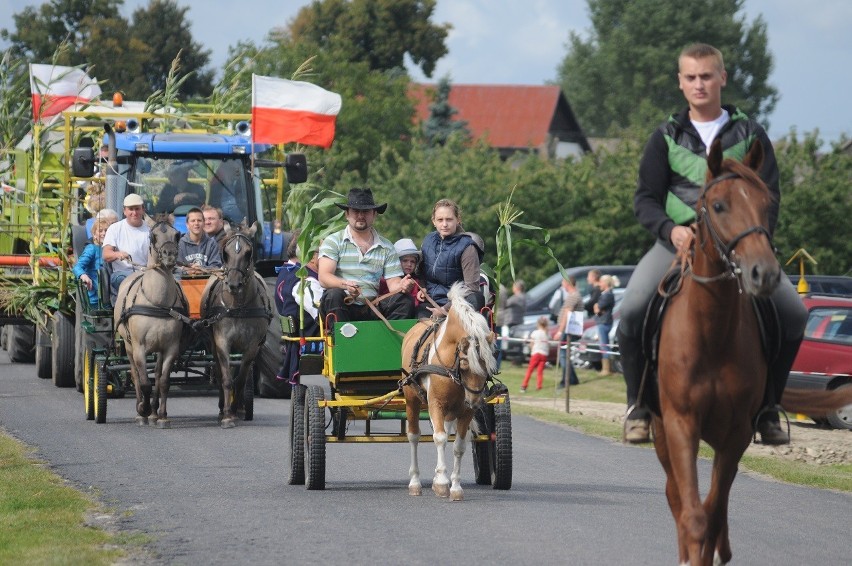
449	364
711	368
150	315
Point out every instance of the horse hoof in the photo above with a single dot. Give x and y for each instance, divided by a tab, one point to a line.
415	490
441	490
164	423
229	423
142	421
456	495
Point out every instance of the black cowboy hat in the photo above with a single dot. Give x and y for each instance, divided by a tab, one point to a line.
362	199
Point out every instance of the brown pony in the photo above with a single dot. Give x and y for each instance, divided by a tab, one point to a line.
237	307
150	314
448	363
712	372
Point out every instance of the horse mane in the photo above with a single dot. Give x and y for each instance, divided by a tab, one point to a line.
477	329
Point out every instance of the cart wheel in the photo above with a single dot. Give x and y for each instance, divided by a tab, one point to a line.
88	384
314	438
297	436
484	417
248	396
501	452
99	388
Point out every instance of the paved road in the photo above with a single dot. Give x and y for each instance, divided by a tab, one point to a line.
212	496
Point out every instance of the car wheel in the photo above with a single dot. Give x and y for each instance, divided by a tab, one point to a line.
841	418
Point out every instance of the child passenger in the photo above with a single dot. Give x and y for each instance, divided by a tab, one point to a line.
539	351
89	262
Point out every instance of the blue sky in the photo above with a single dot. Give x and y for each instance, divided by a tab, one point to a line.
523	42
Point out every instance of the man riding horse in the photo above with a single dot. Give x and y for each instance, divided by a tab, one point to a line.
671	174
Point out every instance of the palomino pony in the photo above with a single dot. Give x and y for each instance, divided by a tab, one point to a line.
448	363
711	367
150	312
239	311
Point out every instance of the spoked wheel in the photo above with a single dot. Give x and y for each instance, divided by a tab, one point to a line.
501	447
297	436
89	384
99	388
314	438
484	417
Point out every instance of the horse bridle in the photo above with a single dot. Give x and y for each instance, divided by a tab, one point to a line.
419	367
170	245
726	251
244	273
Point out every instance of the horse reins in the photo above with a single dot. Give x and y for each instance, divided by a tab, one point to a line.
726	251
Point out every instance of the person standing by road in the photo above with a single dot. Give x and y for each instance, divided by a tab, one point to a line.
572	302
671	175
592	278
603	318
539	352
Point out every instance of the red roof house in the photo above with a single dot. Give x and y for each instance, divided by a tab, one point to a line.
512	118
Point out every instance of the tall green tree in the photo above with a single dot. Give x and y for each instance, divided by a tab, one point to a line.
378	32
136	62
165	29
440	125
39	30
624	72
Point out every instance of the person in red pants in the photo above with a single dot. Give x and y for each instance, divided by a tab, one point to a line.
539	351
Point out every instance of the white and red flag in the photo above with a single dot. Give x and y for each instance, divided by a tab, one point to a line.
54	88
284	111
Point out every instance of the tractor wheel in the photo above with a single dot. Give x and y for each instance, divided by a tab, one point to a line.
63	343
42	353
21	343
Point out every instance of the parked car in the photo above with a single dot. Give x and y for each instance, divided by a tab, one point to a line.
826	284
824	360
538	300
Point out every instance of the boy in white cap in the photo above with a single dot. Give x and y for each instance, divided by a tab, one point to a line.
126	242
409	259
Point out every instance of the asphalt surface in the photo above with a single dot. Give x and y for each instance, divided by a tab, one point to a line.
210	496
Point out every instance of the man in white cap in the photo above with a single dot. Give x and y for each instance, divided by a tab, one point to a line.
126	242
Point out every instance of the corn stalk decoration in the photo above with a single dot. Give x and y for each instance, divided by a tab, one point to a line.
507	216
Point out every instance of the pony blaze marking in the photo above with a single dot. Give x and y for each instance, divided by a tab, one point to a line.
239	310
450	364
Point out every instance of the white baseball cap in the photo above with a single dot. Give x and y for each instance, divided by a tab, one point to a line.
406	247
133	200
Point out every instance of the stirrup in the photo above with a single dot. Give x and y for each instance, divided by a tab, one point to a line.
771	433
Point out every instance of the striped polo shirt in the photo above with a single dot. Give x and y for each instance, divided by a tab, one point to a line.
381	260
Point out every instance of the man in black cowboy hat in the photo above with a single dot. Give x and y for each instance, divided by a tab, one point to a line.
352	261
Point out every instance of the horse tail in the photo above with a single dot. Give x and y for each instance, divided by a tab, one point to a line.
815	402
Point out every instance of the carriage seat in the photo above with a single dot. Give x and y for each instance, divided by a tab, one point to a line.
104	288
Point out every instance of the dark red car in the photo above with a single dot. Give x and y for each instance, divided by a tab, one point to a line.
825	357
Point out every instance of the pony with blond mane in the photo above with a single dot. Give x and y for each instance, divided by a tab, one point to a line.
448	363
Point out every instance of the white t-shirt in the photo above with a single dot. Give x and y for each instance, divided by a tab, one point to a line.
130	239
708	130
540	342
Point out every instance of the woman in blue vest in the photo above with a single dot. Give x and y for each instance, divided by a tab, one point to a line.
449	255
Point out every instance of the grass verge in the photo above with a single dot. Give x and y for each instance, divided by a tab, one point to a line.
594	387
42	521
